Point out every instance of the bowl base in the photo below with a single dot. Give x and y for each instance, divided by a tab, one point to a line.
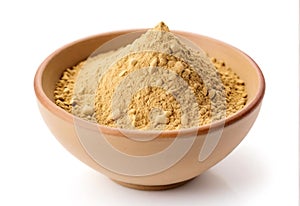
152	187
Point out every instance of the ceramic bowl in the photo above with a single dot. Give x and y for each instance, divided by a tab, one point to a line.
134	158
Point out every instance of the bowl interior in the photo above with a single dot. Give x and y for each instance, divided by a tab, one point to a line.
75	52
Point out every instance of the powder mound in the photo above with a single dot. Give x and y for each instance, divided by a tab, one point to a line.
159	81
158	60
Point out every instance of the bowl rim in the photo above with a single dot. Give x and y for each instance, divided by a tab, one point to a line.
61	113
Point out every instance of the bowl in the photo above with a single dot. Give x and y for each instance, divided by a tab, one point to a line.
148	160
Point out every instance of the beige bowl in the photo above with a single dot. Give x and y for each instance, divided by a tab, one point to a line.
128	156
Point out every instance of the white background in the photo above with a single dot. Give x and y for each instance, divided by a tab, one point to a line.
36	170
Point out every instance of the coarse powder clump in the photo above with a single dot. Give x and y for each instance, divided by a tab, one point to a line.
156	82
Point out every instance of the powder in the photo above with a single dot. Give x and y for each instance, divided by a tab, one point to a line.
235	90
157	82
63	92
